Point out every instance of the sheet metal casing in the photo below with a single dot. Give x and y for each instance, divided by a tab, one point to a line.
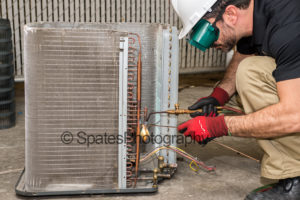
159	77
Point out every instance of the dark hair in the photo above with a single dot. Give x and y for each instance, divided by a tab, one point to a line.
220	6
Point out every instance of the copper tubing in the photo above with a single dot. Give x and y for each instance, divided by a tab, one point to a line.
130	86
155	125
129	183
131	119
130	77
133	106
136	111
130	130
132	115
129	164
177	111
232	149
131	59
129	147
139	74
131	154
168	176
129	139
132	50
145	113
129	173
130	94
131	40
145	179
132	124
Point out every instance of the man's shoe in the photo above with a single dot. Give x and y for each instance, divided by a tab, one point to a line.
286	189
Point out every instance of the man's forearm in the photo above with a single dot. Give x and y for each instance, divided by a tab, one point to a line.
274	121
228	82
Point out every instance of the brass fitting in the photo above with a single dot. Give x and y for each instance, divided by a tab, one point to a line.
155	177
144	133
164	176
161	163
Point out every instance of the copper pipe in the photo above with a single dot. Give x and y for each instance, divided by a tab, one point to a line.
131	154
131	59
132	123
132	107
131	112
161	126
129	173
234	150
129	182
130	86
145	113
136	111
164	176
130	77
132	48
130	95
130	129
129	139
132	115
129	147
145	179
129	164
130	119
134	104
139	73
177	111
131	40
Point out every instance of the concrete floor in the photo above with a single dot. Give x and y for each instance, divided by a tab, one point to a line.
234	178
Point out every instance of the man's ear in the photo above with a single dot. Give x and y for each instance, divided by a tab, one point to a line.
231	15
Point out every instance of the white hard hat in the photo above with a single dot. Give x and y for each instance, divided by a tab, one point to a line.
190	12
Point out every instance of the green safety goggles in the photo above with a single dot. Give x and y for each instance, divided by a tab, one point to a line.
204	34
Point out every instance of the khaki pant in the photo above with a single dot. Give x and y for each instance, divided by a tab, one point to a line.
256	88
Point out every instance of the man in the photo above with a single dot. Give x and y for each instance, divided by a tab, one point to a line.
265	72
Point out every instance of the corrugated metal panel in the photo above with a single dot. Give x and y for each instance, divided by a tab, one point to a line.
64	98
21	12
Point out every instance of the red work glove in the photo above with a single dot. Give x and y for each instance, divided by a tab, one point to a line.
208	104
204	129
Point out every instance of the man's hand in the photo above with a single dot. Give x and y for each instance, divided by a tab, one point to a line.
208	104
204	129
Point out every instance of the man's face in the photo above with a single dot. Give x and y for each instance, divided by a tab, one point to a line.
227	39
